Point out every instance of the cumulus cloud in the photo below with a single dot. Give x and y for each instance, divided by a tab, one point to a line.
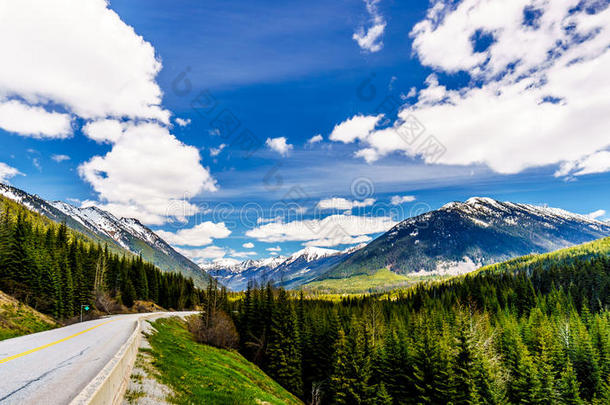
356	128
531	106
248	245
315	139
32	121
371	39
598	162
75	63
203	255
147	174
274	249
182	122
106	130
199	235
343	204
241	255
60	158
279	145
94	67
400	199
338	239
330	231
6	172
597	214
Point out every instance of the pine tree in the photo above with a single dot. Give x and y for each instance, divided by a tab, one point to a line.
381	397
464	375
284	346
340	383
569	387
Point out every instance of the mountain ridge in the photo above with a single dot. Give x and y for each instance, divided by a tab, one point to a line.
462	236
287	271
126	233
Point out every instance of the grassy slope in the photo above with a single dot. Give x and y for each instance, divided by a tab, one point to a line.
381	280
17	319
600	247
201	374
384	280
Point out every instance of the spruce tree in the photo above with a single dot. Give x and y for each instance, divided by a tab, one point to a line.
340	383
569	387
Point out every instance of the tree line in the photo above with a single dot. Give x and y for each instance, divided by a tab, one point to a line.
56	270
535	334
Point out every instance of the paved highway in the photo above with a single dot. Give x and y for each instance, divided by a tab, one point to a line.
53	367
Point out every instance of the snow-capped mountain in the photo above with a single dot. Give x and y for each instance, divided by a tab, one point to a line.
102	226
292	271
462	236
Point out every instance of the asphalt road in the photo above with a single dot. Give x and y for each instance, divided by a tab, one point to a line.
53	367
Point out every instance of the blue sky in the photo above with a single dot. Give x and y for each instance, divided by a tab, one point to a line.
288	72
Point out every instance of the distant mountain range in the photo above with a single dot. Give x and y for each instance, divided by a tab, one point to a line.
123	233
455	239
290	272
462	236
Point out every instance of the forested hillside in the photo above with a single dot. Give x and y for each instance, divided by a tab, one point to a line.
56	270
532	331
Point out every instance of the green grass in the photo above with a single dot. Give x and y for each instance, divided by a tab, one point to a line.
17	319
597	248
380	281
201	374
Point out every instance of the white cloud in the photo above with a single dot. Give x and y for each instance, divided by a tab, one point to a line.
532	108
92	66
248	245
182	122
343	204
203	255
330	231
339	239
60	158
397	199
598	162
597	214
274	249
412	93
241	255
216	151
279	145
6	172
92	63
371	39
315	139
147	174
36	164
199	235
32	121
106	130
357	127
261	220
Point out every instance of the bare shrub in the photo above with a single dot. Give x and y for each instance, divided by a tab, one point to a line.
105	303
215	329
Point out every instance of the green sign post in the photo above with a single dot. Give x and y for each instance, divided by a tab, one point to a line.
86	308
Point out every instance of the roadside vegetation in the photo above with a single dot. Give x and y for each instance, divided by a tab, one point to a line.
17	319
55	270
199	373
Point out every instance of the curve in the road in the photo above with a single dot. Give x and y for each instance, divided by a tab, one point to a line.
16	356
